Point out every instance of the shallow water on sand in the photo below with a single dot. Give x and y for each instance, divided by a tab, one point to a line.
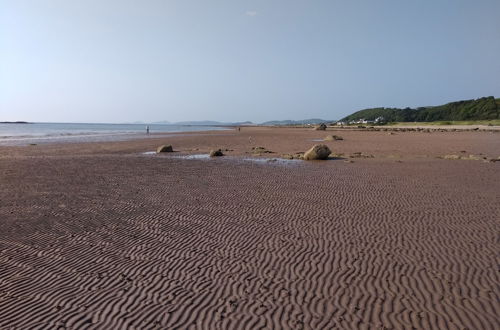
270	161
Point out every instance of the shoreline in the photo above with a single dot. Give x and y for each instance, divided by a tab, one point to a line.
92	137
130	136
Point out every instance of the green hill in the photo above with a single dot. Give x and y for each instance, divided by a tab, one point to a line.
484	108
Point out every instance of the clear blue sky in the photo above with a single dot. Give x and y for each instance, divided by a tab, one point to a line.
151	60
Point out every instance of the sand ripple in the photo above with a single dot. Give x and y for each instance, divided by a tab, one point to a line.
89	244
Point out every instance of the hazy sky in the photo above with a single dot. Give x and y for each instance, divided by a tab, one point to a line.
151	60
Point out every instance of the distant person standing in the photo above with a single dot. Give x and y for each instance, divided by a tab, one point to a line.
147	129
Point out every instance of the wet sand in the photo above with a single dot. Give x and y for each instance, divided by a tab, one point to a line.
102	236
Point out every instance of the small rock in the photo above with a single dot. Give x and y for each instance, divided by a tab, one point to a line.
333	138
360	155
165	148
216	153
451	157
298	155
261	150
321	127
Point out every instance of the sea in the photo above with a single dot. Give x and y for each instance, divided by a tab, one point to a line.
37	133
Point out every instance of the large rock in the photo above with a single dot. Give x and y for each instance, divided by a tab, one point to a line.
318	152
216	153
321	127
165	148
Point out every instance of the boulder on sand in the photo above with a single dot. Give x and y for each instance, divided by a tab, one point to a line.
318	152
165	148
321	127
216	153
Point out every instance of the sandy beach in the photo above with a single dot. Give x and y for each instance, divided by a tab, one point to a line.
398	231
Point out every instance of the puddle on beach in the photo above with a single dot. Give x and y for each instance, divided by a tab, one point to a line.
273	161
270	161
318	140
196	156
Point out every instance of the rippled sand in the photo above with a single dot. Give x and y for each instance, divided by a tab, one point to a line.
102	236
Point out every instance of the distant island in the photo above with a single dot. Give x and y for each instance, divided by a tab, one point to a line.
14	122
244	123
485	108
202	123
212	123
295	122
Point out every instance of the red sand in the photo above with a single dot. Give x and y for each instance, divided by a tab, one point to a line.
99	236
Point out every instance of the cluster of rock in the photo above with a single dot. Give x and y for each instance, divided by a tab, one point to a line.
470	157
317	152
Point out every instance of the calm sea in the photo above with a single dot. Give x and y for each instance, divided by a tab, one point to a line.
22	134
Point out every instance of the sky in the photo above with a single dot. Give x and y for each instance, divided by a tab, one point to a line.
258	60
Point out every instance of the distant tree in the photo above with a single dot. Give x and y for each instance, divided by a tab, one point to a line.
481	109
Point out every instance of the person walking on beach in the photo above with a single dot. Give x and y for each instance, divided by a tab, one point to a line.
147	129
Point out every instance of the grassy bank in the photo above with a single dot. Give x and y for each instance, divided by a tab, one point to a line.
493	122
